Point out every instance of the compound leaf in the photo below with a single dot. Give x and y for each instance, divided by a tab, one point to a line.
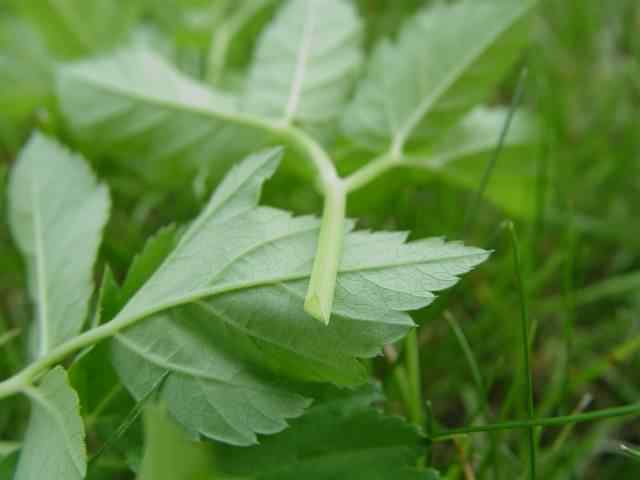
227	304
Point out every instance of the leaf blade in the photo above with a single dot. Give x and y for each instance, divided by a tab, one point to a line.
460	157
56	428
334	439
408	95
73	28
308	83
173	128
57	204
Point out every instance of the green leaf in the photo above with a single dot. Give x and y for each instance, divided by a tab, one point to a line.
169	454
136	107
25	79
57	213
145	264
54	443
73	28
233	40
306	62
214	387
228	303
443	63
333	440
461	156
249	268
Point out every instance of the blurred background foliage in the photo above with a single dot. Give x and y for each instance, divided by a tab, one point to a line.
580	238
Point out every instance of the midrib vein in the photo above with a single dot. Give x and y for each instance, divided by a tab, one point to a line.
125	319
301	61
41	275
403	134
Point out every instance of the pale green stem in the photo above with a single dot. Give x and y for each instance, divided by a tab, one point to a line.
322	285
371	171
412	359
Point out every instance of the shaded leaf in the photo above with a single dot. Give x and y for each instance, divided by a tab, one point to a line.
169	454
461	157
336	439
25	79
75	27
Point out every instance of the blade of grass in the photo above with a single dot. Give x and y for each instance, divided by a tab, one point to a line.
412	360
566	431
560	421
610	288
630	451
7	337
129	420
618	355
429	430
474	203
479	381
524	319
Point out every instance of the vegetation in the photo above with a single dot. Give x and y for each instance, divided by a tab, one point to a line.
223	250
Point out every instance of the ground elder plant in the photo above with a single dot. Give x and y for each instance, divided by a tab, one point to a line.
241	337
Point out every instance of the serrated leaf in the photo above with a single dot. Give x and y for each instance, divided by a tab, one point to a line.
306	62
227	303
144	265
442	64
76	27
136	107
461	157
54	443
214	387
57	212
332	440
249	267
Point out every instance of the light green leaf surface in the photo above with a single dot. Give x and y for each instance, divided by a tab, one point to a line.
214	388
54	443
249	267
336	439
462	154
227	304
443	63
136	107
306	62
228	399
77	27
57	212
